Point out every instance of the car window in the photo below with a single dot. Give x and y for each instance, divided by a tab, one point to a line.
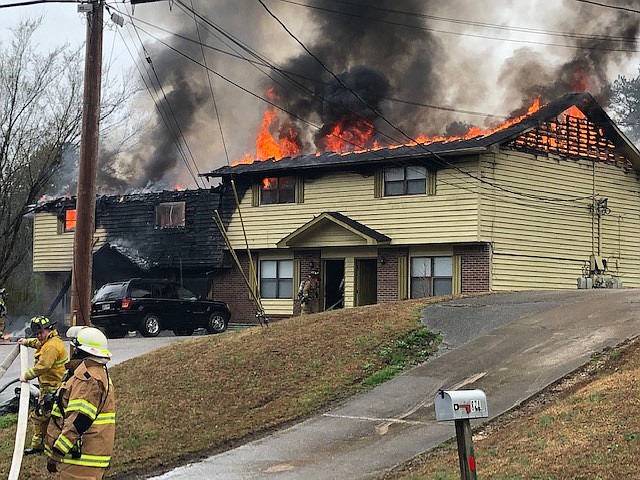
110	291
184	294
140	290
163	290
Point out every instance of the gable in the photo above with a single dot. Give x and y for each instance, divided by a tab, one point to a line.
332	229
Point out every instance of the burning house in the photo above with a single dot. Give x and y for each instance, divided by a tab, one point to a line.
547	200
168	234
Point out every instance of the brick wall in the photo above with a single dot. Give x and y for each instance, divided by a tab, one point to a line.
476	269
388	273
231	288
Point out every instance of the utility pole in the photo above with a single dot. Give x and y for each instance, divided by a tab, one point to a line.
82	272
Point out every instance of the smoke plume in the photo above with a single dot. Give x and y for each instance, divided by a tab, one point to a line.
380	72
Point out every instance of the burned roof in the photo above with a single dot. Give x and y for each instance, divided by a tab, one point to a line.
584	102
131	230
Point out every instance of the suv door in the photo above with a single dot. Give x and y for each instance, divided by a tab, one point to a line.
194	311
166	303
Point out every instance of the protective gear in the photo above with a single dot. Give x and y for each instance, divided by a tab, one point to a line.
41	323
90	340
81	434
48	367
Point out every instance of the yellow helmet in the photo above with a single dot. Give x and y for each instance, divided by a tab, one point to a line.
90	340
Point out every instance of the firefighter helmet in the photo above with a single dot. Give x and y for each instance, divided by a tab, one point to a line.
90	340
41	323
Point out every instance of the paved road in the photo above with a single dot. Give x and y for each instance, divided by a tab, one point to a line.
509	345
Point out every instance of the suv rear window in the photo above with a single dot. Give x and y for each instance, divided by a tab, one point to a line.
110	291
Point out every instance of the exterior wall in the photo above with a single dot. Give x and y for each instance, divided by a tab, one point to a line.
447	217
230	287
388	273
544	240
53	251
475	268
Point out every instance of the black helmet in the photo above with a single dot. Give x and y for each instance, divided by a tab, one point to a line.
40	323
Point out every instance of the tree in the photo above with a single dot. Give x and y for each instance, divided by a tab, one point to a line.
40	123
625	103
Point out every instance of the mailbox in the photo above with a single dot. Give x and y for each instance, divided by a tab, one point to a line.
460	405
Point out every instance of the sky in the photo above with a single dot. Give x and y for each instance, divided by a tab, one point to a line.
423	67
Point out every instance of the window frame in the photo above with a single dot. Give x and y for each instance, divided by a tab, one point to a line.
289	192
171	222
279	282
69	220
432	278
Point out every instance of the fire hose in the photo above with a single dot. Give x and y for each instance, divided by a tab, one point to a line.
23	412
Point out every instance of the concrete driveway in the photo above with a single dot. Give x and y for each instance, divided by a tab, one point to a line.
509	345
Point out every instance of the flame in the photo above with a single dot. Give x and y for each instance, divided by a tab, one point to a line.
6	336
349	136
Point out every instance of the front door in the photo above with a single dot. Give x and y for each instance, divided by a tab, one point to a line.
333	284
366	282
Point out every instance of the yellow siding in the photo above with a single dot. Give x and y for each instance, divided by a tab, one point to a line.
540	242
449	216
53	251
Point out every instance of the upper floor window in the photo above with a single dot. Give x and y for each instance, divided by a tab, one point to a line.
409	180
276	278
431	276
170	215
278	190
69	221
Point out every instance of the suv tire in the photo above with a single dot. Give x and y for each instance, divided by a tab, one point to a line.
217	323
150	325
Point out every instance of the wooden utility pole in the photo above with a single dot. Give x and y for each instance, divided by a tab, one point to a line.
81	276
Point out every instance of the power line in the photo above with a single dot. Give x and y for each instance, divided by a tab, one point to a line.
616	7
466	34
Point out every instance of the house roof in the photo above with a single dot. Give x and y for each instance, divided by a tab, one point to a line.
130	228
481	144
366	235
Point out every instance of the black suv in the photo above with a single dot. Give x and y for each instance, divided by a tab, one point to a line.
150	306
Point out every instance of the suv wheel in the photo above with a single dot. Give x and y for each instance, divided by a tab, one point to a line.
150	325
217	323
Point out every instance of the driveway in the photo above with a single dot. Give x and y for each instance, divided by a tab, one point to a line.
509	345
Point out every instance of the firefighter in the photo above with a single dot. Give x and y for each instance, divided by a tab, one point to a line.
3	310
48	368
308	293
81	434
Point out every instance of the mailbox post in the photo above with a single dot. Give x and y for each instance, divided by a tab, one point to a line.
461	406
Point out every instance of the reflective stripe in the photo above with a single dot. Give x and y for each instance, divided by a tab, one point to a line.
100	461
56	411
80	405
105	418
30	374
63	444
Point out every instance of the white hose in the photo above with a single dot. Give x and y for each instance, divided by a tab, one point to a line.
23	413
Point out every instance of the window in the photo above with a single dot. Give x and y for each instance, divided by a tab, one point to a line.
170	215
69	221
278	190
431	276
276	278
410	180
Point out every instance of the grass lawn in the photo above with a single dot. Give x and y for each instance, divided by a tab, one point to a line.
209	394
